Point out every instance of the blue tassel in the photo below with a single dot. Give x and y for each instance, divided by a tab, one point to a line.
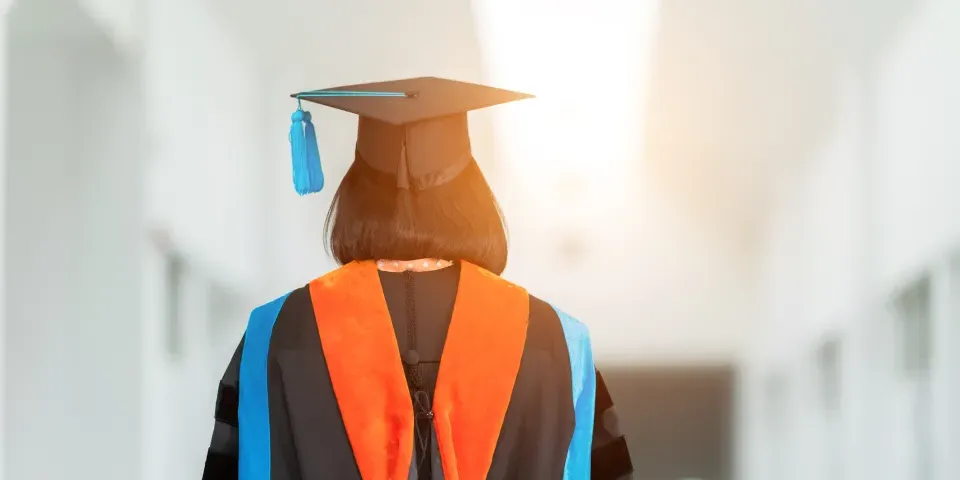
307	171
313	154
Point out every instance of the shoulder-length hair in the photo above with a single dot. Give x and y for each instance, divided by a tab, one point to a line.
371	218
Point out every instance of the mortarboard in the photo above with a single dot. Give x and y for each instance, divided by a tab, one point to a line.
415	128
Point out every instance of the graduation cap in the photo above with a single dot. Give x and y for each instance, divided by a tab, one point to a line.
415	128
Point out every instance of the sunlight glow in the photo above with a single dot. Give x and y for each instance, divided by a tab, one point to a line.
567	161
586	65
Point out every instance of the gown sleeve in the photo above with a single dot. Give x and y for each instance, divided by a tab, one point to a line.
222	455
610	459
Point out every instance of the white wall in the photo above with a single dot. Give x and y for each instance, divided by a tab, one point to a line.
919	107
203	91
121	20
204	198
873	211
72	360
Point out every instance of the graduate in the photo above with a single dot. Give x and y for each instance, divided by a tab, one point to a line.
414	360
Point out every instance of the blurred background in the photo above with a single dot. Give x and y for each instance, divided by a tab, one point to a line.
752	204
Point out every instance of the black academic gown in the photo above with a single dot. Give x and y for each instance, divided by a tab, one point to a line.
308	437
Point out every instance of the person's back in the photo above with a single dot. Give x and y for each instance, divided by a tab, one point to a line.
419	367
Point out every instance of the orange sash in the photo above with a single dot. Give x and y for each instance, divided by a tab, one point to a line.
478	368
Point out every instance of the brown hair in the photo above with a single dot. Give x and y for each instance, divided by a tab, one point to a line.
370	218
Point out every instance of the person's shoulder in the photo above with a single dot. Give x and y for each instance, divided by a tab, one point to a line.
285	322
272	306
294	303
551	327
297	295
296	300
542	310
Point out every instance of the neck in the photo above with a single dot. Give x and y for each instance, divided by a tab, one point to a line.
418	265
